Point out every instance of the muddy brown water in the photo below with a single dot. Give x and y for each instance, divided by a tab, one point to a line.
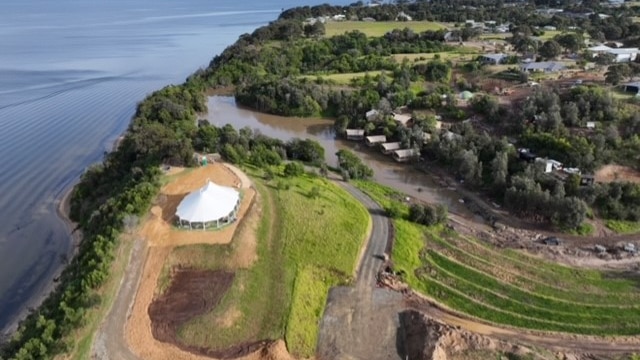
224	110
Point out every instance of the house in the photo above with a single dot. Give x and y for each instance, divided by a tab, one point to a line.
591	124
544	66
339	17
572	171
632	87
388	148
502	29
624	54
371	114
587	180
621	54
451	36
376	139
493	59
526	155
404	155
403	17
355	134
549	164
402	119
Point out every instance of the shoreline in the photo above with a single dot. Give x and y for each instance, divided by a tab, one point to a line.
62	210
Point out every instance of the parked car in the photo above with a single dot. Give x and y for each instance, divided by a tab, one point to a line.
551	240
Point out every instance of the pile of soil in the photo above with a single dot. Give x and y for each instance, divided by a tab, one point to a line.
428	339
192	293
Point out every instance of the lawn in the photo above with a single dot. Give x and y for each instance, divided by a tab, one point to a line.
306	245
507	286
345	78
378	28
459	54
624	227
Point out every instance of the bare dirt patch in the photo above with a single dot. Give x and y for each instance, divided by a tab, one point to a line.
192	293
611	173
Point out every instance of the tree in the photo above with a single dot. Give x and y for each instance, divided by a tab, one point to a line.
500	169
437	71
617	73
570	114
571	42
316	29
470	168
604	59
352	165
524	44
293	169
550	49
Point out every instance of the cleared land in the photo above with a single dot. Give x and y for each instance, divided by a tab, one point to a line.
378	28
304	246
509	287
610	173
161	237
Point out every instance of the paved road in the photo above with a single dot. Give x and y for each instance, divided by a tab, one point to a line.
361	322
110	343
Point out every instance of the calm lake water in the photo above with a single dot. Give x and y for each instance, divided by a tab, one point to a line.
71	73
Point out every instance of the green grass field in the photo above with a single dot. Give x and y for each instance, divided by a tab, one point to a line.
624	227
346	78
509	287
305	246
378	28
459	54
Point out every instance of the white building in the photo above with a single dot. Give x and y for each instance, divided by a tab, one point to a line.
621	54
210	206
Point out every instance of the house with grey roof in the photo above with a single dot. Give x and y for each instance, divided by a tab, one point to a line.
375	139
388	148
543	66
621	54
493	59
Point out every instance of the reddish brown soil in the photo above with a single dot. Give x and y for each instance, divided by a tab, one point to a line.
192	293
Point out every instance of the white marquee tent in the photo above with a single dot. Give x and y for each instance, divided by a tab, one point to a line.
210	206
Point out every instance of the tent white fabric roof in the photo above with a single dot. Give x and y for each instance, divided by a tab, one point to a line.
209	203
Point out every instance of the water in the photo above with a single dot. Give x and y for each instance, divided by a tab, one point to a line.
223	110
71	73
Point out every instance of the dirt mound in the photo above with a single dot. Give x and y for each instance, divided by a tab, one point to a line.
426	338
192	293
610	173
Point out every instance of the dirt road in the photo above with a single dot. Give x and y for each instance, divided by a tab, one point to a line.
110	342
560	342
